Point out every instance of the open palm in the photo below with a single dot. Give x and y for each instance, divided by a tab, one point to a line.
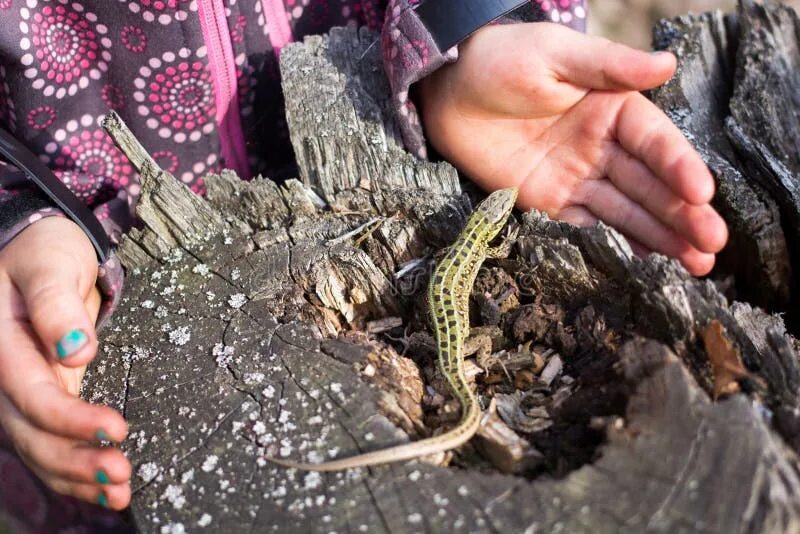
559	114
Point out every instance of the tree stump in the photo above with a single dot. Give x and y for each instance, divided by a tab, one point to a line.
288	320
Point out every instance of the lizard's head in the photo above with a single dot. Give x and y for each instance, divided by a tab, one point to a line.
497	206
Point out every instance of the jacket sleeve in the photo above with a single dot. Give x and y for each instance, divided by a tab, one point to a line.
22	204
410	53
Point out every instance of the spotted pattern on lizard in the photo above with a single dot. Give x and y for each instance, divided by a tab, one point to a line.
448	298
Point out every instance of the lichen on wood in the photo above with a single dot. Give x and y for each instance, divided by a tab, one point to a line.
243	333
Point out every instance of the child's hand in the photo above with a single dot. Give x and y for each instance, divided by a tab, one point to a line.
558	113
48	304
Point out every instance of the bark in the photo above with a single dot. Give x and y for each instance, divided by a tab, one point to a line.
290	320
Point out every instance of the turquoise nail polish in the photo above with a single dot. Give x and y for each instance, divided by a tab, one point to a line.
102	436
102	500
71	343
101	477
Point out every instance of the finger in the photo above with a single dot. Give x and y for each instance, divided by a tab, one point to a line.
580	216
597	63
57	311
577	216
649	136
116	497
58	457
614	208
30	385
638	249
700	225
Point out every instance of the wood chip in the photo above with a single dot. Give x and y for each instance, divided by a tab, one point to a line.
725	358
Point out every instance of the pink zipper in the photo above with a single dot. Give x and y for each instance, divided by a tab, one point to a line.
277	21
217	36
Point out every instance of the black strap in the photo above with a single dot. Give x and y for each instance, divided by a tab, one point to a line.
452	21
18	155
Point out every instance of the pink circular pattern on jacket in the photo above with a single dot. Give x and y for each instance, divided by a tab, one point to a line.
65	46
163	11
176	94
113	96
42	117
564	11
134	39
88	162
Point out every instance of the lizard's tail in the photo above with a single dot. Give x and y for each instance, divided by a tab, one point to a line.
457	436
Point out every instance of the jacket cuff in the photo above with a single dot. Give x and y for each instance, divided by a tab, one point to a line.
21	208
410	54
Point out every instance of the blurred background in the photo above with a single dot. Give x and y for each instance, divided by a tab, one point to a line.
631	21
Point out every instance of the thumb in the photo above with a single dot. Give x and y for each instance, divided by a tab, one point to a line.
57	291
596	63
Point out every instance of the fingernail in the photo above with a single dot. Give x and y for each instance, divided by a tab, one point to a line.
102	436
101	477
658	52
102	500
71	343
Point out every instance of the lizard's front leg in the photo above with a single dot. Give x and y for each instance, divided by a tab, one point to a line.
503	250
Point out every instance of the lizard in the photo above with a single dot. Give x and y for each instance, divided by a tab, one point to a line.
448	300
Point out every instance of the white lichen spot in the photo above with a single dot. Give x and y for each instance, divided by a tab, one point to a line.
268	392
237	301
413	476
312	480
223	354
173	528
369	436
210	463
336	387
174	494
204	520
161	312
259	428
415	518
235	274
148	304
253	378
463	491
180	336
188	476
201	269
148	471
315	457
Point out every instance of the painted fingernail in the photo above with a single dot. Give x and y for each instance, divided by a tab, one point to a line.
102	500
102	436
101	477
71	343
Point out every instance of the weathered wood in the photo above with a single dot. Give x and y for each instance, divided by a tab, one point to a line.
238	337
697	100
